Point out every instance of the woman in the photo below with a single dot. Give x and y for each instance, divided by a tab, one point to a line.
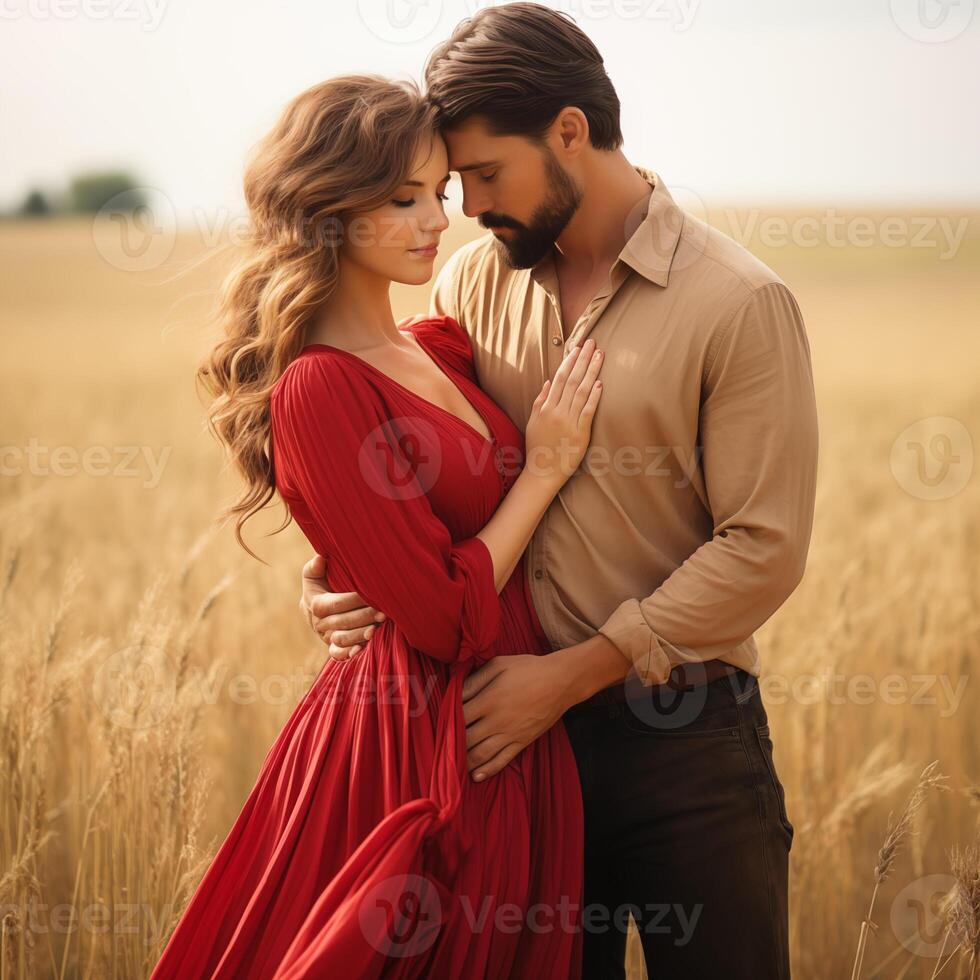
365	849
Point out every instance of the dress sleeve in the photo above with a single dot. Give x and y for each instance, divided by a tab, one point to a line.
355	481
447	335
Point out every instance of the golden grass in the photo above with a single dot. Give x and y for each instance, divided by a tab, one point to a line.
146	663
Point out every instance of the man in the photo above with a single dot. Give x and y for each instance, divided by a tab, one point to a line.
684	530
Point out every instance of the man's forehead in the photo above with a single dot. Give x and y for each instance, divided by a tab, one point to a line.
478	149
462	168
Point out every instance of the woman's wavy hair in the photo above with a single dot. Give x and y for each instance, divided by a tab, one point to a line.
342	146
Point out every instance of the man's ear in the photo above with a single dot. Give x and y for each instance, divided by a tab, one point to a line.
571	129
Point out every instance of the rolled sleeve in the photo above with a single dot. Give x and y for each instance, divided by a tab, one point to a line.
759	443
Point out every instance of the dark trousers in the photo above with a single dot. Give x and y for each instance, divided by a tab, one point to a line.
685	829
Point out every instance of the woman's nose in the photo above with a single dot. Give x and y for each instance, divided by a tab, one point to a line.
436	221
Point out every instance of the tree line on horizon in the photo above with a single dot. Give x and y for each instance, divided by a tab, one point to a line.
86	193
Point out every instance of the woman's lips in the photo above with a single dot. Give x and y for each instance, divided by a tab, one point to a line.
427	252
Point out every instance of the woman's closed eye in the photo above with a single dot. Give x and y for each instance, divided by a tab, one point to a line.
411	201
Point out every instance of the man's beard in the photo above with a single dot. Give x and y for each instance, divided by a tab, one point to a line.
530	243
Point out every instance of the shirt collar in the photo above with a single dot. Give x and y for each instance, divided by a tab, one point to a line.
650	248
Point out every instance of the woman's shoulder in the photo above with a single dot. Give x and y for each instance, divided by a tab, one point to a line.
445	335
321	376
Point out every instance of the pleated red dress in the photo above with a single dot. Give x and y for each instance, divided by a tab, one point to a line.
365	848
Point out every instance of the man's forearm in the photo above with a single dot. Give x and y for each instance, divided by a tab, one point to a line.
590	666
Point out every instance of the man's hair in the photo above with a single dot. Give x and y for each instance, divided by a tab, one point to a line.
517	66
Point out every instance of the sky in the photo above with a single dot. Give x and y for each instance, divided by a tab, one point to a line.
836	102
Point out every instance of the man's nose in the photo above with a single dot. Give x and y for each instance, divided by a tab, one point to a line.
475	204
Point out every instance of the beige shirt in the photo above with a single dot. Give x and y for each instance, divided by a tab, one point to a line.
688	523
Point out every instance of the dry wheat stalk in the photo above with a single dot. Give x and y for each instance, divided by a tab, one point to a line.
897	833
964	909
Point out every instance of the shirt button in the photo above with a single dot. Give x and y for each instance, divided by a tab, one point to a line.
538	573
556	341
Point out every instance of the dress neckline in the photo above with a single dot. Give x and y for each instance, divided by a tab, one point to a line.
377	371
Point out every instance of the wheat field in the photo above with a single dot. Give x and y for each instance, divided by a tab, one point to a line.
147	663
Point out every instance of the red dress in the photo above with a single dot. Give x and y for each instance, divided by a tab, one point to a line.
365	848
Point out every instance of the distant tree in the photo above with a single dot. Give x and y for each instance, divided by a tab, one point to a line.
35	204
92	191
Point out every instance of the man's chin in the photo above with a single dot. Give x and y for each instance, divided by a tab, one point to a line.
514	258
503	250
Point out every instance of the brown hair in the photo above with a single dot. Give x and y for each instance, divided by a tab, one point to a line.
517	66
342	146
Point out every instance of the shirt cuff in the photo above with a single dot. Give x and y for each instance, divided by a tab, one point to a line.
630	632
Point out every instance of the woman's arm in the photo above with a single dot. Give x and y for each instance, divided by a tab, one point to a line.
556	437
339	462
335	456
